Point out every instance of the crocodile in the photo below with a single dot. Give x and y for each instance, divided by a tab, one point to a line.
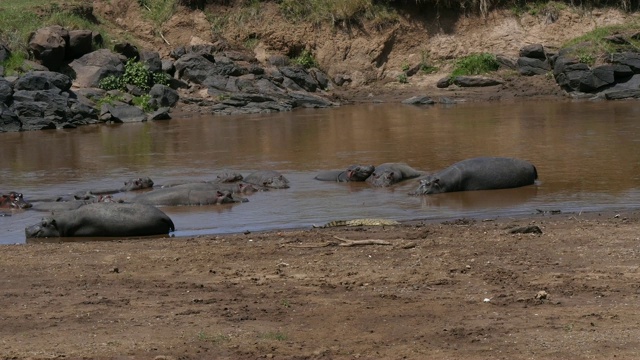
358	222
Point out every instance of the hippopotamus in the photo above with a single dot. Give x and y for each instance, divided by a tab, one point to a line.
13	200
267	178
388	174
72	204
352	173
104	219
483	173
179	195
129	185
240	187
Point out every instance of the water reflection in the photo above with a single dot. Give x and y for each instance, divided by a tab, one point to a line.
586	154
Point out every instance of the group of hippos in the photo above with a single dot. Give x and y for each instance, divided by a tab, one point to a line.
96	213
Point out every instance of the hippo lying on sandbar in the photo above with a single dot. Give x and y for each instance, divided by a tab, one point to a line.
388	174
483	173
267	178
104	220
14	200
353	173
179	196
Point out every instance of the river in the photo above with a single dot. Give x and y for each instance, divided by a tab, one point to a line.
587	155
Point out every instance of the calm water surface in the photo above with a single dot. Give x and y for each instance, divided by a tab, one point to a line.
587	156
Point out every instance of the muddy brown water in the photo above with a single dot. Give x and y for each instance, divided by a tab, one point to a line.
587	156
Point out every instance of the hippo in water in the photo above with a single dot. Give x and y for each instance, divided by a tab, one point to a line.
239	187
179	195
129	185
388	174
72	204
353	173
13	200
104	219
483	173
268	178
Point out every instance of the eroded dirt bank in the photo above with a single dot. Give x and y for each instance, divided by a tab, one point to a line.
461	289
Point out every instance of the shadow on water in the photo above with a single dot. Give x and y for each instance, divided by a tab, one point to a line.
587	156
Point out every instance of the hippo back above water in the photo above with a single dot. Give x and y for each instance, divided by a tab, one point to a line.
104	219
14	200
352	173
388	174
268	178
483	173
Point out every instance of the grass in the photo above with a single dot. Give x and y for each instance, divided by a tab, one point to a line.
19	18
475	64
593	46
274	335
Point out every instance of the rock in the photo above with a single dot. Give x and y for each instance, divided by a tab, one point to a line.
418	100
532	66
6	91
535	51
91	68
164	95
531	229
300	76
80	43
129	51
444	82
632	60
43	80
152	60
160	114
126	113
9	121
475	81
48	46
5	53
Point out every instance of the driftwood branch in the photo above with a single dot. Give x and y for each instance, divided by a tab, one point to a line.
162	36
345	242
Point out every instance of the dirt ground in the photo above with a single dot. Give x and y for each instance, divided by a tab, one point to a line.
462	289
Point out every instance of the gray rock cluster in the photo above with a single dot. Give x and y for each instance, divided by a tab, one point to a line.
61	89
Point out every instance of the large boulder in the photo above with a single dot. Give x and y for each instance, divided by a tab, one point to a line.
95	66
9	121
6	91
43	80
80	43
164	95
49	45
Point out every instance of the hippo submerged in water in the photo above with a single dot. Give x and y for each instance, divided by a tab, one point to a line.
13	200
388	174
483	173
129	185
352	173
104	220
267	178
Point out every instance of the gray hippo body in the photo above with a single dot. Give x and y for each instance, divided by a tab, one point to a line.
14	200
104	219
182	196
267	178
239	187
71	204
388	174
129	185
353	173
483	173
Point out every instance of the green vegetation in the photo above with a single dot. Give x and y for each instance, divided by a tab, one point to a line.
136	74
594	46
475	64
402	78
274	335
13	64
338	12
305	59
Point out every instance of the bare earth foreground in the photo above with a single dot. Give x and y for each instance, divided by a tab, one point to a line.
463	289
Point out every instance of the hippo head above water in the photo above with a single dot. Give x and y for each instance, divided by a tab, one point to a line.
14	200
430	185
137	184
359	172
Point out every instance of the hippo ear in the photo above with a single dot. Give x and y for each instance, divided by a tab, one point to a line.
219	193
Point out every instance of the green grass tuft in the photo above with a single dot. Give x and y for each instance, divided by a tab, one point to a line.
475	64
